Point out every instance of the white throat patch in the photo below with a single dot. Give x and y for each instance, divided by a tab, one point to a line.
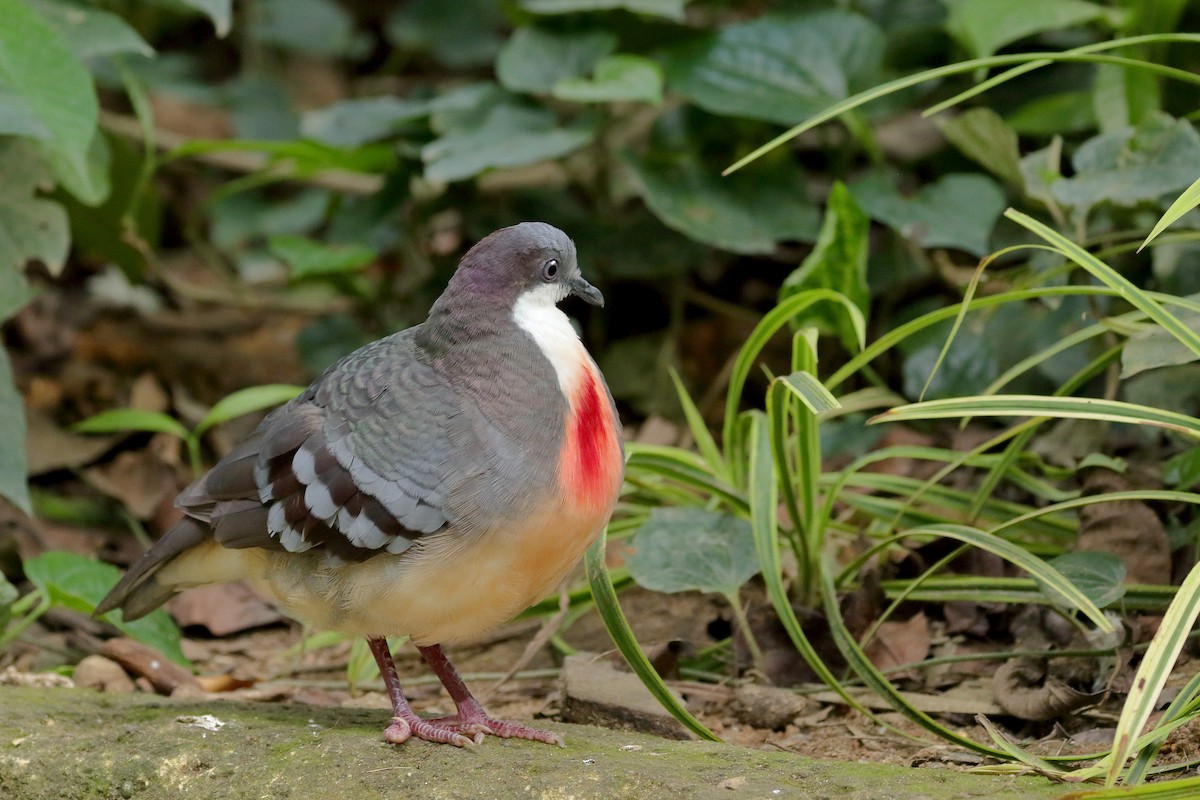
536	312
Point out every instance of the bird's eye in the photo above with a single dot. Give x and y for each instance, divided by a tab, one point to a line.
550	270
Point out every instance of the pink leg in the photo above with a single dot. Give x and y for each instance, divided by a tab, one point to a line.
405	723
471	717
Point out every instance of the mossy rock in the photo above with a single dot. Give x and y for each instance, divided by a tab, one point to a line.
66	744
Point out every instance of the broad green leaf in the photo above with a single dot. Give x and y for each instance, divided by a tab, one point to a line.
308	258
13	480
692	549
120	420
31	228
243	401
353	123
90	32
958	210
619	78
37	65
1132	165
1155	347
983	136
1187	201
671	9
91	186
748	214
219	11
508	136
1097	574
534	60
465	33
1183	470
79	583
1122	97
322	27
985	26
838	261
1048	115
779	68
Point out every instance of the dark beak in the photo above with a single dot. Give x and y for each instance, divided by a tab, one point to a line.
590	294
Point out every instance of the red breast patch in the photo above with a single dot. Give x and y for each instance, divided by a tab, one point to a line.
591	457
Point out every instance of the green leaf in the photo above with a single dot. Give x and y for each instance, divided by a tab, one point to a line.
1187	201
1048	115
243	401
13	479
779	68
620	78
838	261
219	11
983	136
508	136
92	186
120	420
746	214
353	123
810	391
37	65
31	229
1155	347
534	60
958	210
1042	406
692	549
8	595
308	258
79	583
1097	574
1132	165
618	629
89	32
322	27
671	9
1183	470
985	26
465	33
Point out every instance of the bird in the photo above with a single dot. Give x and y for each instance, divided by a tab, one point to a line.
431	484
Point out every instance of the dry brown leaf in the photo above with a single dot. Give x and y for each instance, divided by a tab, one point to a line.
223	609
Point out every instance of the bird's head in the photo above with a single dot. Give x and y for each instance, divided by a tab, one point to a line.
532	262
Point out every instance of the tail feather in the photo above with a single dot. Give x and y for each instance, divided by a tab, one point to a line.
138	592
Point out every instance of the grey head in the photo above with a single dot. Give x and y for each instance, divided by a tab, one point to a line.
506	265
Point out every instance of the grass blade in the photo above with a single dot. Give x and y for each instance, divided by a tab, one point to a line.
1182	205
618	629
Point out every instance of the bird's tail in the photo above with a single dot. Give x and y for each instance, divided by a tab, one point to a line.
139	592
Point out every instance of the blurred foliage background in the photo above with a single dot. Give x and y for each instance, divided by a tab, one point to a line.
305	173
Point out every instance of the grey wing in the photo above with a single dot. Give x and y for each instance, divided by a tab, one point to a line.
355	465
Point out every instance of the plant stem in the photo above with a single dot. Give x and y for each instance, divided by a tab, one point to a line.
739	615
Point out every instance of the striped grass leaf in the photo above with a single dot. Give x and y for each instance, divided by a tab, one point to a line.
1053	583
763	520
1039	406
1182	789
771	322
1089	53
1154	670
1184	705
1182	205
618	629
699	430
1110	277
875	680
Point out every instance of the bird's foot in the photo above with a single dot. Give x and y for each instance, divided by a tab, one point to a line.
480	724
431	730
